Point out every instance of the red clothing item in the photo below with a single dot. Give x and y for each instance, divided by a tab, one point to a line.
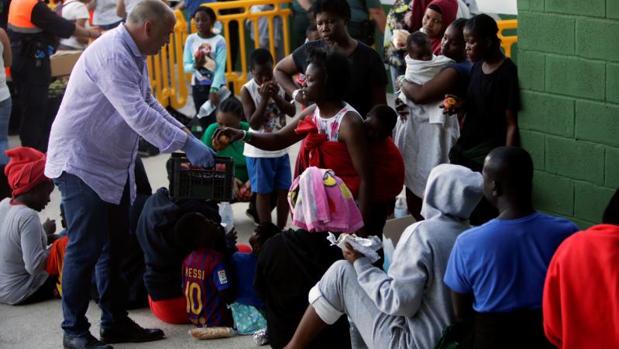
449	11
581	294
55	260
317	151
414	17
25	169
386	163
387	168
171	311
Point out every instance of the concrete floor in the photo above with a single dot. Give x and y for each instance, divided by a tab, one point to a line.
38	325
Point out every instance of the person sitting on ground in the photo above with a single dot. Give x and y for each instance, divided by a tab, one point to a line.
291	262
248	308
426	135
368	80
332	131
163	255
496	271
204	56
23	240
386	163
411	297
206	279
230	114
580	295
266	108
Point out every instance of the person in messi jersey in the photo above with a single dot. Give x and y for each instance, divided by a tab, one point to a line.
206	280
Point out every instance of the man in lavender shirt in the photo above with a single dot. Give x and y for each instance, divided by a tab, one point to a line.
91	155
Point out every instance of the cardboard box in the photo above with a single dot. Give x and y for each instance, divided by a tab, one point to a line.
62	62
395	227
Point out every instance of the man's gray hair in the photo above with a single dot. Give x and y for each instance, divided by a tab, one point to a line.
149	10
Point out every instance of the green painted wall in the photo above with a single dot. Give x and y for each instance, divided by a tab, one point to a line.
569	71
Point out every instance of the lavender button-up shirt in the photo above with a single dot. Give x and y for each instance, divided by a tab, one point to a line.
107	104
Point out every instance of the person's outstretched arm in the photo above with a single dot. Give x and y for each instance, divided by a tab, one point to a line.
269	141
121	85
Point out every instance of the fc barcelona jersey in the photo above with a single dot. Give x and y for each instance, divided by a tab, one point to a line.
204	275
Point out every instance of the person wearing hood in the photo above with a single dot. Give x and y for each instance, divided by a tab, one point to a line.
409	306
23	240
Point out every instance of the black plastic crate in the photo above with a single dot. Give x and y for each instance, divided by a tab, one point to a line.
190	182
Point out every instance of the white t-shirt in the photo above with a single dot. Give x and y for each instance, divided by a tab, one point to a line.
73	10
4	89
130	5
23	251
105	13
277	120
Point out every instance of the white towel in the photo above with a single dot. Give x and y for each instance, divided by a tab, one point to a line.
421	72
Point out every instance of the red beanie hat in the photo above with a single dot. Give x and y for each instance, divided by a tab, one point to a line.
25	169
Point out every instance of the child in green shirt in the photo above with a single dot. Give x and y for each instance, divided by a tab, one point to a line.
230	114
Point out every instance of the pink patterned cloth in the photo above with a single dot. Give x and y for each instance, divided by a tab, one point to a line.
320	201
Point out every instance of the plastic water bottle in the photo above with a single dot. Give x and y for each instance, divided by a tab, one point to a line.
227	216
388	249
400	207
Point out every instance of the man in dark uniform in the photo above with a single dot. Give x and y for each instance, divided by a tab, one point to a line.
33	28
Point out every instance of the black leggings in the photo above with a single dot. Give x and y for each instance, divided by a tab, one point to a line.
45	292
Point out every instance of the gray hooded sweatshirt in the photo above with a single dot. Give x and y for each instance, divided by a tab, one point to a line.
413	288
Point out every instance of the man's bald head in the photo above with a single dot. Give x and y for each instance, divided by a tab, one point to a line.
151	11
508	171
150	24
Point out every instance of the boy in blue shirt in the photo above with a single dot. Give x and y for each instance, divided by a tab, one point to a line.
496	271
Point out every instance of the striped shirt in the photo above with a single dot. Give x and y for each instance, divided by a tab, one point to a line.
204	276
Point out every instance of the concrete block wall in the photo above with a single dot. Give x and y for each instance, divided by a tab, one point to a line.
569	72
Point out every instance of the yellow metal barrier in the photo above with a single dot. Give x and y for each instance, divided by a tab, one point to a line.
168	80
507	41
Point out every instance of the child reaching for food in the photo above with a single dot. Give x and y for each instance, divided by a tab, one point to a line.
426	135
230	114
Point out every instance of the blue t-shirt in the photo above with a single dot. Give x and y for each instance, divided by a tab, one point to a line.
503	263
245	272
